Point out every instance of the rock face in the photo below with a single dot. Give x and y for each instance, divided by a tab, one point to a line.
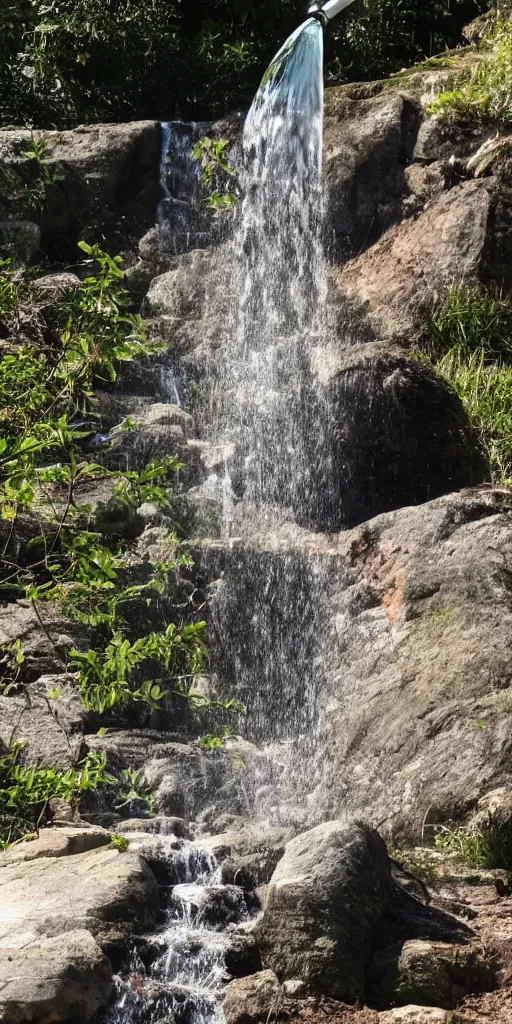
50	727
323	903
378	431
107	188
406	217
252	1000
449	244
66	978
96	890
401	627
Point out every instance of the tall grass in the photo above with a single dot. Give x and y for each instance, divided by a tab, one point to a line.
469	342
486	95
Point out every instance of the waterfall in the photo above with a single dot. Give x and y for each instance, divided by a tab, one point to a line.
264	406
274	414
181	219
268	418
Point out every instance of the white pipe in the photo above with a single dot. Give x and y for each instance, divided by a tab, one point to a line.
332	8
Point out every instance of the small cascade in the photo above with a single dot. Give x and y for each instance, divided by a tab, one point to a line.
182	220
184	981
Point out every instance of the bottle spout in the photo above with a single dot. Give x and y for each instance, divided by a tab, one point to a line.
325	12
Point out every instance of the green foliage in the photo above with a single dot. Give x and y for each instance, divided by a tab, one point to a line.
118	842
215	740
44	386
80	341
133	791
30	188
417	863
486	846
12	659
64	62
26	790
470	322
71	553
486	393
469	340
106	677
215	173
485	95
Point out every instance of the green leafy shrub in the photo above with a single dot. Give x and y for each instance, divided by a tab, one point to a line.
46	382
26	790
416	863
486	846
469	341
134	792
216	175
71	552
117	842
485	95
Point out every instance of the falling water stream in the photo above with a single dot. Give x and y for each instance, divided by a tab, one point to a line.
279	282
265	412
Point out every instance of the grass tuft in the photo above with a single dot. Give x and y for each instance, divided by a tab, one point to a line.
485	96
469	342
486	846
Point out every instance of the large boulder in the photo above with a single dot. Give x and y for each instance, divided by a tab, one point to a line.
99	890
253	1000
460	239
439	974
66	978
381	432
323	906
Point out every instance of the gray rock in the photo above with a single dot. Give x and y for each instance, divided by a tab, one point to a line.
54	286
66	978
63	841
367	145
440	139
109	183
294	988
419	259
49	726
440	974
381	410
216	905
99	890
253	1000
323	907
45	648
19	240
166	414
415	1015
159	825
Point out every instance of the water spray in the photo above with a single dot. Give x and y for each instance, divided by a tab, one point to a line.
325	12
